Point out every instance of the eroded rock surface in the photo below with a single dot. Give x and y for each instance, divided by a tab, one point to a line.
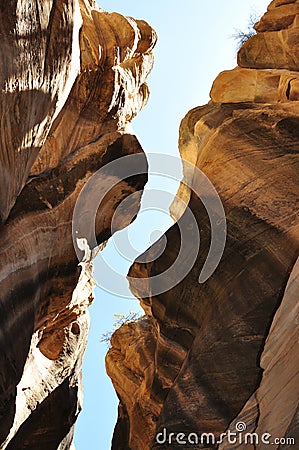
72	78
276	45
273	408
233	338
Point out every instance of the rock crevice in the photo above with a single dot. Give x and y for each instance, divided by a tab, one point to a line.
215	345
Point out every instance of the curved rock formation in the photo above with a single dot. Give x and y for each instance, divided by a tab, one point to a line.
205	349
72	78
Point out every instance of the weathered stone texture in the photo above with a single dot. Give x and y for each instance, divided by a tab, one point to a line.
72	78
233	338
276	45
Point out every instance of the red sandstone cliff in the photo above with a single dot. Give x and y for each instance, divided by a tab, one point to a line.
72	77
207	356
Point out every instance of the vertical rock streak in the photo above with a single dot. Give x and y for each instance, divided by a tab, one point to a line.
72	78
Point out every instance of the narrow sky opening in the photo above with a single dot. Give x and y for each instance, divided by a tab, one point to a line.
194	44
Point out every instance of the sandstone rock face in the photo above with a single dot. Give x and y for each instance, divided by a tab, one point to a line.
216	345
279	390
258	86
130	369
72	78
276	45
35	82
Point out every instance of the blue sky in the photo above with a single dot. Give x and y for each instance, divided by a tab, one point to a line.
194	45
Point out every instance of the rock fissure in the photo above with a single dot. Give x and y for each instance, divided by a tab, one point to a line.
206	357
245	140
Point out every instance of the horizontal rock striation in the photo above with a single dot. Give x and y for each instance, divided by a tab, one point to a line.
275	46
233	338
72	78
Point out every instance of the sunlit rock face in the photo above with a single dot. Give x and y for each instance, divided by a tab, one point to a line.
226	351
275	45
72	78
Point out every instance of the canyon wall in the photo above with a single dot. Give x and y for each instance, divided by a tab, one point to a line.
209	357
72	78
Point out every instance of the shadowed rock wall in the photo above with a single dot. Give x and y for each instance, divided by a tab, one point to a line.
72	78
210	355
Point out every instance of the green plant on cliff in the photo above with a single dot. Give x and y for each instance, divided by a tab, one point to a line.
121	319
